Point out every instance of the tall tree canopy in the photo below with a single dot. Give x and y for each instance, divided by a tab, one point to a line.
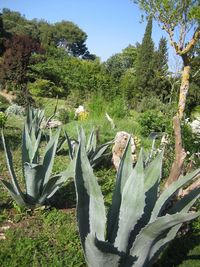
18	51
179	18
144	68
63	34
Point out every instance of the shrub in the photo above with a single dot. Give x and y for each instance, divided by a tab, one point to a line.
153	121
63	115
4	104
3	119
42	87
14	109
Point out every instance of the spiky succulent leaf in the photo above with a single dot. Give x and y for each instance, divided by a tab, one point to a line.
90	206
95	257
124	171
71	154
92	143
49	156
170	191
10	167
152	231
33	180
152	177
99	154
30	147
50	188
132	205
19	198
183	205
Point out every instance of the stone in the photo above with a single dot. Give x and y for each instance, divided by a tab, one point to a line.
120	142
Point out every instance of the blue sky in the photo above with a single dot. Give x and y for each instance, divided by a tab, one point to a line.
111	25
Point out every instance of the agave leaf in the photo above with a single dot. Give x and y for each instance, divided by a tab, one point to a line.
69	172
35	152
71	155
10	167
27	145
170	191
92	143
50	188
124	171
90	206
152	231
98	154
151	181
48	160
152	178
33	179
95	257
132	205
153	172
18	198
182	205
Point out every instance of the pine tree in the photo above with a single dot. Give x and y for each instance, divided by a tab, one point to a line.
144	72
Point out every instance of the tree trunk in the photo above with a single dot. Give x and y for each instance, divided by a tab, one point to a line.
177	166
184	85
180	154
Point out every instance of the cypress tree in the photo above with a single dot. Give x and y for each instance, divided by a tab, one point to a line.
144	72
160	83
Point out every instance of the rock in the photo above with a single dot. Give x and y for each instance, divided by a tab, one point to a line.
195	125
51	124
79	110
121	140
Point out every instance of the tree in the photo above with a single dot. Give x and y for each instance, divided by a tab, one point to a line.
144	68
160	82
119	63
14	66
193	98
178	18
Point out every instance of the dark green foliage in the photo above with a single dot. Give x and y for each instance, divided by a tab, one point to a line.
63	115
160	84
4	104
144	63
153	121
63	34
193	98
119	63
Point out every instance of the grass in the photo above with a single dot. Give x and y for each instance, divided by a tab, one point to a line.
49	237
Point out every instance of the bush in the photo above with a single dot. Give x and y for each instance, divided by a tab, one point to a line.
153	121
117	108
43	88
14	109
3	119
63	115
4	104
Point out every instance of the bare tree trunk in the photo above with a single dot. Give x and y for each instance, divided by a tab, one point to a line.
177	166
180	154
184	85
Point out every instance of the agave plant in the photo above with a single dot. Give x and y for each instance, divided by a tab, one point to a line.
94	153
39	183
34	120
137	226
